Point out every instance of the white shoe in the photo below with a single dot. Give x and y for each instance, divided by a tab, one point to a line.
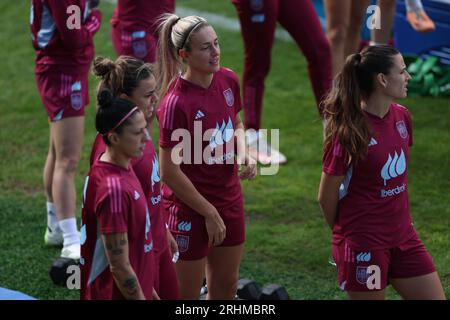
71	252
53	237
261	150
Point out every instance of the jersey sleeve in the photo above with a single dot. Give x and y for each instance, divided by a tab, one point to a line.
112	206
171	118
77	37
334	161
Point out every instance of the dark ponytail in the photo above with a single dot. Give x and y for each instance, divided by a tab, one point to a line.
346	121
110	112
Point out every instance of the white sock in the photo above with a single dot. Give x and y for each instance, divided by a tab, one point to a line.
413	5
52	219
70	232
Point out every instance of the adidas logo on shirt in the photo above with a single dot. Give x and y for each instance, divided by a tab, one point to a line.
136	195
199	115
372	142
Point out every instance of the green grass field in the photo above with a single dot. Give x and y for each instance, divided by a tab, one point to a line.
288	241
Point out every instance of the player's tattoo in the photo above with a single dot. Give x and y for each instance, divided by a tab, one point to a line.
131	285
114	244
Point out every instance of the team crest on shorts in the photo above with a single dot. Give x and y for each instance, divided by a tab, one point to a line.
140	49
183	242
229	97
361	275
76	100
401	128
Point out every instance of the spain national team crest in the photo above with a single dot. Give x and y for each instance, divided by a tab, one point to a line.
401	128
229	97
140	49
76	100
183	242
361	275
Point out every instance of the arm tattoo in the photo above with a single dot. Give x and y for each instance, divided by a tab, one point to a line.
114	245
131	285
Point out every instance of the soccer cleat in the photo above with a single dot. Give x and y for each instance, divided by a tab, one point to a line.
71	252
261	150
420	21
53	237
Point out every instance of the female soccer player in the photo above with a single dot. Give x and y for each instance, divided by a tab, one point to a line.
363	191
64	51
258	22
132	79
133	27
116	240
203	194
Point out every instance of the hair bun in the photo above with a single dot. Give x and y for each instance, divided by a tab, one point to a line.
104	98
102	66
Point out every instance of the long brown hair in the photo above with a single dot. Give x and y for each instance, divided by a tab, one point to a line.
175	33
345	119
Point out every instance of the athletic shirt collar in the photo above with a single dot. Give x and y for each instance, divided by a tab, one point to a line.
375	118
192	85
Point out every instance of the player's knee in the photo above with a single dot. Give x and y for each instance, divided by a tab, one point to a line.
67	165
337	35
224	285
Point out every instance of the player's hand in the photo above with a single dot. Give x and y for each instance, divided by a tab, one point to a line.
247	171
172	243
215	227
94	21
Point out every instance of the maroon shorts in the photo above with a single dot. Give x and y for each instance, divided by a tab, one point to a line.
64	95
189	230
368	270
166	282
140	44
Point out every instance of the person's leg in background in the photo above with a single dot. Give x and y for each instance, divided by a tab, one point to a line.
426	287
382	35
338	15
417	17
53	234
357	14
258	31
190	274
300	19
68	139
222	272
344	20
258	22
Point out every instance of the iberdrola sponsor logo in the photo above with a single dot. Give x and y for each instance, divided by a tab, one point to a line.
155	172
222	134
154	180
395	166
